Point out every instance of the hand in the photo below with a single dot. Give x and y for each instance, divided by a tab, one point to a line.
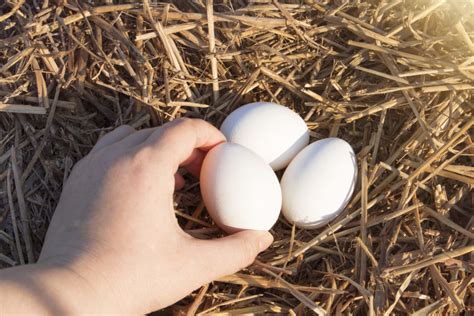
114	234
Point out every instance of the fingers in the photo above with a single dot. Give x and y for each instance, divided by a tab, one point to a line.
110	138
176	142
229	254
182	142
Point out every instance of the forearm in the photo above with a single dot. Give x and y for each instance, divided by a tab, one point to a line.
35	290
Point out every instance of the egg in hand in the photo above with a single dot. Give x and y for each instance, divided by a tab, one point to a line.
239	189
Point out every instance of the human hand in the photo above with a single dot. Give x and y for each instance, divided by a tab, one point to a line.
114	233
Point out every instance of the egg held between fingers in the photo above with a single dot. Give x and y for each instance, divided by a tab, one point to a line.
239	189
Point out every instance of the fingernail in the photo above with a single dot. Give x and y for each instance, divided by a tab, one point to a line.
265	240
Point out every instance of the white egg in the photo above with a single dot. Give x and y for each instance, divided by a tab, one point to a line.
319	182
240	190
274	132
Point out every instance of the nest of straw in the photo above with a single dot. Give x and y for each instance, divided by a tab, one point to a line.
394	79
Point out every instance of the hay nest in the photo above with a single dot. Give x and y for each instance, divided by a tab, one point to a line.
394	78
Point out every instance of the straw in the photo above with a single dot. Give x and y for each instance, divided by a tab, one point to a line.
394	79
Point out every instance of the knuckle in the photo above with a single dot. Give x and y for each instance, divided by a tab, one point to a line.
171	134
167	131
181	123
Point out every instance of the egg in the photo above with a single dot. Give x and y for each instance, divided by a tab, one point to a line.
318	183
239	189
273	131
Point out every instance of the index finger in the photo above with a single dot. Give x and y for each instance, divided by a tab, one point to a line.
176	142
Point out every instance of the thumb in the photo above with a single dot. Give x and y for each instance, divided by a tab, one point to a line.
229	254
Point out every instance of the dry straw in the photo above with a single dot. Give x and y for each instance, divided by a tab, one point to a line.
394	78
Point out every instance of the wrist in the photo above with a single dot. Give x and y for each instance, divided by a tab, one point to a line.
41	289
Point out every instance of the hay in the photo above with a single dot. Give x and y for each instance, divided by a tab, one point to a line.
395	79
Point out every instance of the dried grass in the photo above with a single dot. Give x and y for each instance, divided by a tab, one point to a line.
395	79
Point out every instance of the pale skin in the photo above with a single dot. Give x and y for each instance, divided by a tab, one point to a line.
114	245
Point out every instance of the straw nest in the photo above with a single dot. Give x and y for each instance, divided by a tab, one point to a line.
394	78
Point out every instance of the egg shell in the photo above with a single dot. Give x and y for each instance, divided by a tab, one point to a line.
239	189
318	183
273	131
